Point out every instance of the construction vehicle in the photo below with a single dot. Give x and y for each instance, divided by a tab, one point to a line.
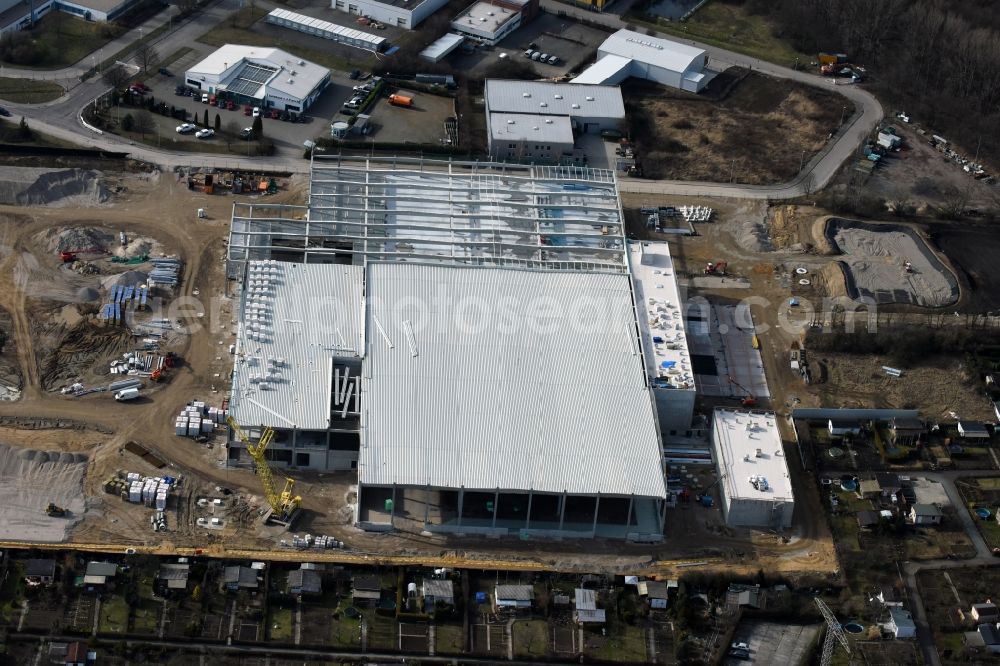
55	511
401	100
748	399
716	268
283	504
67	257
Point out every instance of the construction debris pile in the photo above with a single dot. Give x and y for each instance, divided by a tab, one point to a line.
133	487
140	364
198	419
312	541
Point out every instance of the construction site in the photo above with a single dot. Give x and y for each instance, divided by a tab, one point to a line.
156	398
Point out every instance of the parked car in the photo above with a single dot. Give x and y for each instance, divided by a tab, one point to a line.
137	90
246	133
256	112
527	54
204	98
180	91
543	58
275	114
165	72
4	112
535	55
205	133
141	86
285	116
355	74
553	60
247	110
230	105
185	128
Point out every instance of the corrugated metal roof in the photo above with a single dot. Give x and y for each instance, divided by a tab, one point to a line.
656	51
559	99
442	46
324	29
515	592
489	378
605	69
528	127
307	314
585	599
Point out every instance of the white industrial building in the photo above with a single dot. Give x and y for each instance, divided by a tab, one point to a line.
400	13
319	28
755	488
528	119
265	77
661	319
20	14
487	22
465	335
627	53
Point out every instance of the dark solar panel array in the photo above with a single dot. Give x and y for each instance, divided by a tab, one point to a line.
249	79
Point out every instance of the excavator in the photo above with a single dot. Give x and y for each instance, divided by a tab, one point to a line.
748	399
55	511
283	504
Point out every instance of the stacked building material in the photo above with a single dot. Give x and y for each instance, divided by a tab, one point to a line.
198	418
165	271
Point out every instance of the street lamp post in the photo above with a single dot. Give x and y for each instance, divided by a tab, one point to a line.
843	112
802	161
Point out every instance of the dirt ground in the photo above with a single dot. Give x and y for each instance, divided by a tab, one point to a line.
689	137
972	249
163	209
923	176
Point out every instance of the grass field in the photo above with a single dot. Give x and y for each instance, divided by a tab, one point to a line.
239	31
731	27
530	638
62	40
280	626
627	643
114	616
449	639
146	617
29	91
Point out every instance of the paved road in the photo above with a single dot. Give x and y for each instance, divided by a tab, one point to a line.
817	172
61	117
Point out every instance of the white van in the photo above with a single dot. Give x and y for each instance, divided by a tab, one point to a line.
127	394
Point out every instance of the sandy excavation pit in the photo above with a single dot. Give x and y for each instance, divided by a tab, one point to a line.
32	479
875	259
31	186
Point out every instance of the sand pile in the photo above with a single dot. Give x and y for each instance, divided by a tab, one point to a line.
32	479
79	187
876	257
80	238
126	279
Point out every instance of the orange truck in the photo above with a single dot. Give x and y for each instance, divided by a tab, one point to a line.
401	100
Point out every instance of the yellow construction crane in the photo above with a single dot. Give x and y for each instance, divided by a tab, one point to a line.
283	503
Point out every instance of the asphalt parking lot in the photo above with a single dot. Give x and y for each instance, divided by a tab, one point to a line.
287	136
424	123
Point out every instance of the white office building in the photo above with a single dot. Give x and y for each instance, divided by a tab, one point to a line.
535	120
265	77
400	13
628	53
755	488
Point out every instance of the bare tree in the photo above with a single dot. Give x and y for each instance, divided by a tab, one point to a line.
232	131
115	76
146	56
144	122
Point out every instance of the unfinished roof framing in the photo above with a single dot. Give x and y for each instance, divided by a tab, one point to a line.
471	213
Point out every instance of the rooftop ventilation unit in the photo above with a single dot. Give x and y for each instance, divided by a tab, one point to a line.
548	121
544	104
535	128
575	106
590	99
557	96
510	122
302	63
526	95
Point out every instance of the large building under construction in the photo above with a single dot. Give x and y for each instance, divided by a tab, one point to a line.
467	337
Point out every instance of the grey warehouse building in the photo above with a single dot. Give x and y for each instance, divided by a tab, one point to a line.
464	335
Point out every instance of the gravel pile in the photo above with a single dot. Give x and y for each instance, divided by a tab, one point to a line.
32	479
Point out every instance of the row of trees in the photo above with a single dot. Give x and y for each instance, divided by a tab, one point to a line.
938	60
